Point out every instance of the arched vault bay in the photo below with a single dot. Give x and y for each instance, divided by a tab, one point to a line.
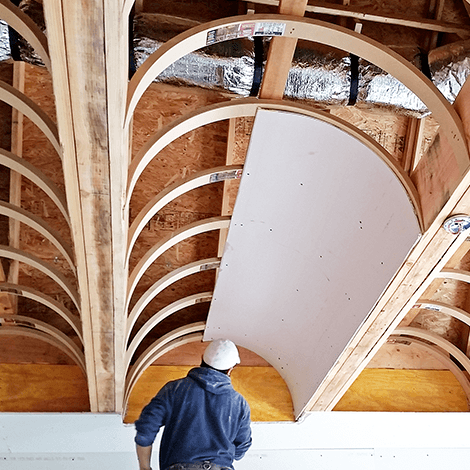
321	224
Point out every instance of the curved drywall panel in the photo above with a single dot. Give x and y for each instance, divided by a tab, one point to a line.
320	226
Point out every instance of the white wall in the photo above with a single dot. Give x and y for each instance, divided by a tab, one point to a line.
323	441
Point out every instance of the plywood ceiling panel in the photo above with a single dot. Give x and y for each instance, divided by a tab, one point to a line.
320	226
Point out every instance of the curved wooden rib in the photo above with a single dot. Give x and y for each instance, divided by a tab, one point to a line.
155	319
29	171
163	283
22	322
33	294
201	178
190	230
457	274
183	335
442	307
40	226
23	257
442	357
248	107
27	28
438	341
31	110
323	33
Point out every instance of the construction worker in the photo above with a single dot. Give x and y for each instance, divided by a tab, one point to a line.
207	423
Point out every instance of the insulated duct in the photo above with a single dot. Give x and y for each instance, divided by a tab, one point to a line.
319	74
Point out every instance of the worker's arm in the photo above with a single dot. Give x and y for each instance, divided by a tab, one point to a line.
143	455
243	440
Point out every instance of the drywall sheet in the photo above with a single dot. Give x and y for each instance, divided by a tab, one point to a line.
326	441
320	226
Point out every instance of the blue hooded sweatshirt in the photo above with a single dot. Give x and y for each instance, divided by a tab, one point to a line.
204	419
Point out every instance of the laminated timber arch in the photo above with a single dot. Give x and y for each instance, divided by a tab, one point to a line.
40	226
35	262
155	319
30	109
440	355
169	194
310	30
434	338
26	326
163	283
248	108
190	230
183	335
28	170
33	294
25	26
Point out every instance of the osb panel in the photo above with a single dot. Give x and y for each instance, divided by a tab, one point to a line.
387	129
191	354
403	356
262	387
404	390
24	350
42	388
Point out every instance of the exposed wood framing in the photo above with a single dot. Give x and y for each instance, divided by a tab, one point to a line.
15	178
88	50
351	12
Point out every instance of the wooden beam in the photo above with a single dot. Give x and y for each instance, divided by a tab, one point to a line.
280	55
413	143
15	178
89	64
348	11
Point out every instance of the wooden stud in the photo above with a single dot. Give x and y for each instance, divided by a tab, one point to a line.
15	178
413	143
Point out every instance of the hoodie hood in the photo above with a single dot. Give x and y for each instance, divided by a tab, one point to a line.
211	380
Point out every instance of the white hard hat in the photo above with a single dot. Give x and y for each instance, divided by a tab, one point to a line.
221	354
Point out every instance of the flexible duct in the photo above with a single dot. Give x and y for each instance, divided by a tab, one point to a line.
318	74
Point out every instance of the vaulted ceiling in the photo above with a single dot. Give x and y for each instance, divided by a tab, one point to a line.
118	118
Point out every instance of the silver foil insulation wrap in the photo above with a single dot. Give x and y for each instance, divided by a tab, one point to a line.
318	74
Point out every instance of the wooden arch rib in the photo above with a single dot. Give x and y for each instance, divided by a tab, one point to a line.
33	294
58	339
201	178
442	307
31	110
457	274
324	33
155	319
163	283
27	28
443	358
190	230
248	107
447	346
178	337
40	226
23	257
29	171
